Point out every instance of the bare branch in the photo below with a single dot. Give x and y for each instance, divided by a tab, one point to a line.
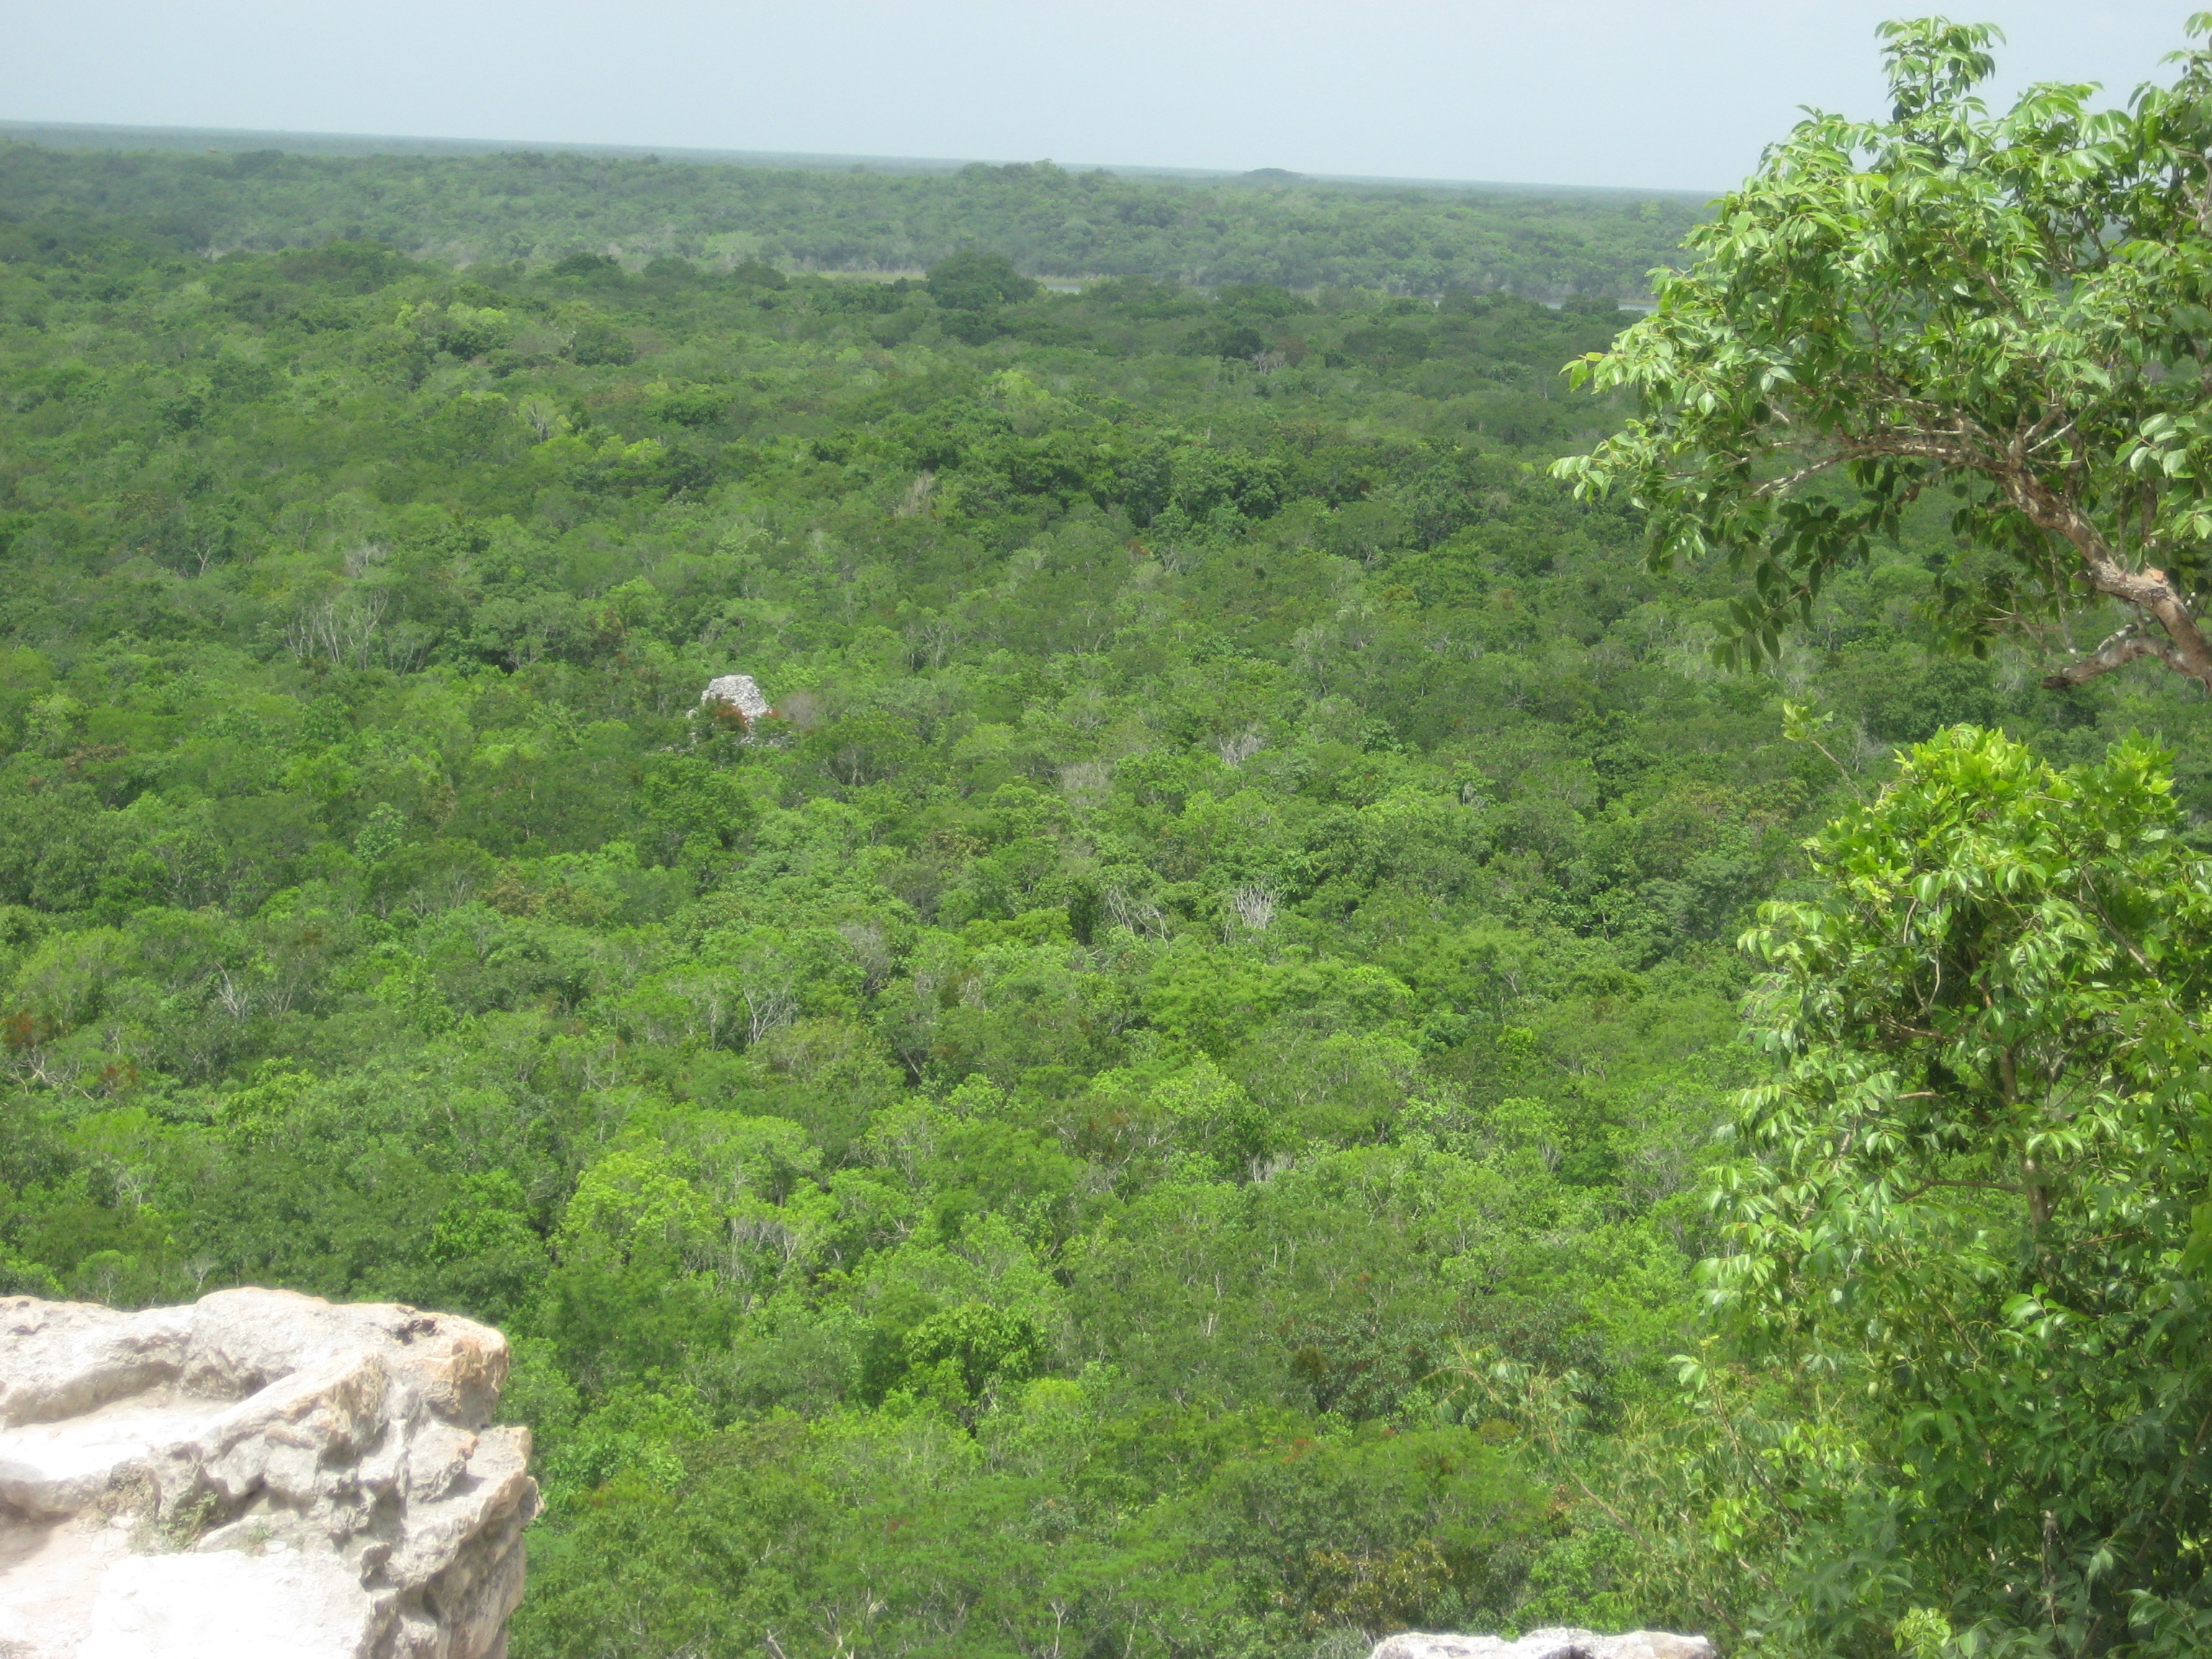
1789	481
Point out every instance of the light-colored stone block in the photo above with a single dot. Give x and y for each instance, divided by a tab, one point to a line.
231	1606
260	1474
739	692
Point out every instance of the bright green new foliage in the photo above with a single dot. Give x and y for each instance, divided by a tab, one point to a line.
1973	1204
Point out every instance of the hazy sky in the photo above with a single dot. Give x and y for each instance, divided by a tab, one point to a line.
1638	92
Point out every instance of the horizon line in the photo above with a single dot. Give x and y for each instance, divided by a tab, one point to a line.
342	144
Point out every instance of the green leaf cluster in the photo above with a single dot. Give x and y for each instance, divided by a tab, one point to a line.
2007	310
1970	1212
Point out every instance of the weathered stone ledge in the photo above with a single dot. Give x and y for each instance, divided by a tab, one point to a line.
261	1473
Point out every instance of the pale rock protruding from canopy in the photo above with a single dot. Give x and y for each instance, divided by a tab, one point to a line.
738	691
261	1476
1546	1645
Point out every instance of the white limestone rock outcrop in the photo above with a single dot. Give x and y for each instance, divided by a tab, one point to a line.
735	691
260	1474
1546	1645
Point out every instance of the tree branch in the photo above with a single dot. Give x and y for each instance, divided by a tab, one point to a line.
1789	481
2149	591
2121	649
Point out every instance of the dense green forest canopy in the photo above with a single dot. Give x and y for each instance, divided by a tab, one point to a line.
537	206
1044	1143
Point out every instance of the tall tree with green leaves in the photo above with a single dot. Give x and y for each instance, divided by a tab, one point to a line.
2012	308
1970	1210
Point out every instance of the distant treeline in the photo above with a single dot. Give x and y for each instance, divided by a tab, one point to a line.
537	207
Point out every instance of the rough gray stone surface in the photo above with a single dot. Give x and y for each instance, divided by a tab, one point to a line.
739	692
259	1474
1546	1645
